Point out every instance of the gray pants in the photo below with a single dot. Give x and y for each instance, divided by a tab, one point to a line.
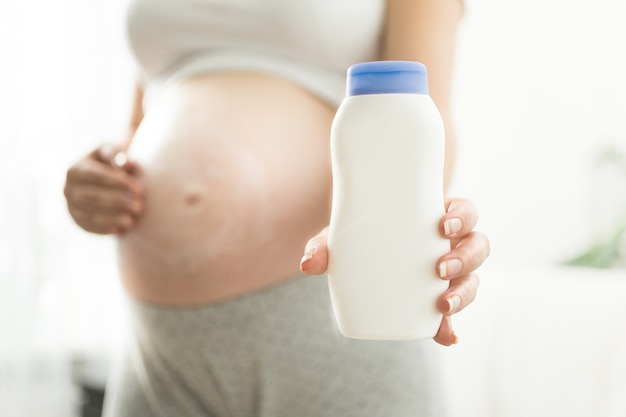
275	353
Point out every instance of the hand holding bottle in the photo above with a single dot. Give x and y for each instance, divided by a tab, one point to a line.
469	249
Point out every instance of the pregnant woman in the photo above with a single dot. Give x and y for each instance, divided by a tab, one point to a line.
223	179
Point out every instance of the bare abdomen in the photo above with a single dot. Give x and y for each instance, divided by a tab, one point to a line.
237	178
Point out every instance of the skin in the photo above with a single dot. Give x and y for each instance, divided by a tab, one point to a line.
107	193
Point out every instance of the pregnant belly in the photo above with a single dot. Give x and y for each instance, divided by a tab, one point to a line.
237	177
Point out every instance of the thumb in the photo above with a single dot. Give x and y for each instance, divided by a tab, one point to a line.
121	160
315	259
105	153
116	157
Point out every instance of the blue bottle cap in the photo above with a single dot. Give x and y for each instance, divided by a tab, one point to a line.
387	77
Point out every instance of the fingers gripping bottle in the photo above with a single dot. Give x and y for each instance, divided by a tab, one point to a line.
387	149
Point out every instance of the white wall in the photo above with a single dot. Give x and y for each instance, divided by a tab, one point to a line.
540	87
65	79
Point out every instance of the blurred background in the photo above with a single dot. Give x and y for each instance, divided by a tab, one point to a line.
540	103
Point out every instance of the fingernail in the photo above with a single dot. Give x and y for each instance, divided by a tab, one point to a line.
454	303
450	267
309	251
120	159
452	226
455	341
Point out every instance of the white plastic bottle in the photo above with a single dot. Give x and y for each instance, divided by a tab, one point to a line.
387	148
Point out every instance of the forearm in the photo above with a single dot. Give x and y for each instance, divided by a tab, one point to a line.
425	31
136	116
